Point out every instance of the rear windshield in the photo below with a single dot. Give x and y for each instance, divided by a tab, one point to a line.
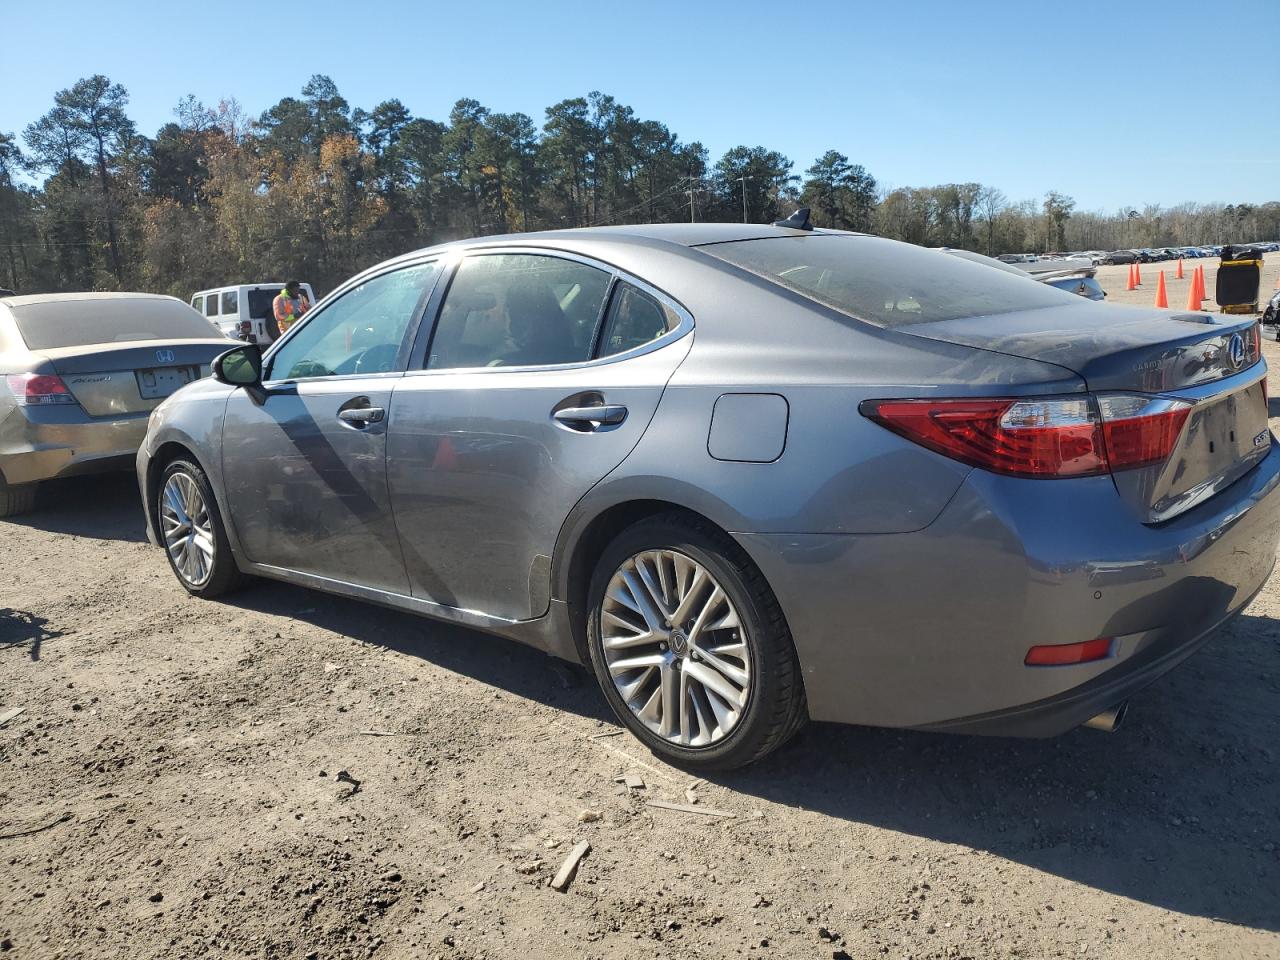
885	282
73	323
260	302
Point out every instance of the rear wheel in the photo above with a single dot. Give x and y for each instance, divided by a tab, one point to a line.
690	646
192	532
17	500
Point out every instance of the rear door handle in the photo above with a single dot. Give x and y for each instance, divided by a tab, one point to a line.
361	416
604	414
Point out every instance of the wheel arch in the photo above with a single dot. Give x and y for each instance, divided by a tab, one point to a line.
585	538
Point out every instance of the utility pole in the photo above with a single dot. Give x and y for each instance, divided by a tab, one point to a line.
744	180
691	191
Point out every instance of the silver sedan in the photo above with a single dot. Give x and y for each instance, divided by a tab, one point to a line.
752	475
80	373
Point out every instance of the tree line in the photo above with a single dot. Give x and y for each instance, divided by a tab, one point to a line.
316	189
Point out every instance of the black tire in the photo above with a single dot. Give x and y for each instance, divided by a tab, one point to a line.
18	500
775	709
224	576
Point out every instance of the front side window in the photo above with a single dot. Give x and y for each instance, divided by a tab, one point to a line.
518	310
211	305
886	282
634	319
359	333
231	302
197	303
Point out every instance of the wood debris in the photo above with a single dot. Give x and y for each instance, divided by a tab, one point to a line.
689	808
564	876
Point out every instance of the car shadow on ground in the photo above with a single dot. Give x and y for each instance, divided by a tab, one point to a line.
102	507
493	660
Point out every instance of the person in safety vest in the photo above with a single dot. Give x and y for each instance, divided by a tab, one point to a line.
290	305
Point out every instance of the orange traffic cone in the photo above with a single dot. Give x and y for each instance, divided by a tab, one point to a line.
1193	299
1132	285
1137	273
1200	291
1162	297
1178	275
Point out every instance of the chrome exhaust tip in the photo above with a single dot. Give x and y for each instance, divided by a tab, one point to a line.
1109	720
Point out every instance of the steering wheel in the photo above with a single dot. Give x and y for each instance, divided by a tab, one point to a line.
378	359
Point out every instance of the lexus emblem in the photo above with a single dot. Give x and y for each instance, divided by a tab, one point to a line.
166	356
1235	350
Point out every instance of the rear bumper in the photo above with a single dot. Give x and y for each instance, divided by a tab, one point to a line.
1058	714
930	629
60	442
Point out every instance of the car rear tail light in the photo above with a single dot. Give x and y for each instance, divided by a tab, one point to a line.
1046	437
1021	438
38	389
1059	654
1140	430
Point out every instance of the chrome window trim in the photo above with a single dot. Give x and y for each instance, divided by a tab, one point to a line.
683	327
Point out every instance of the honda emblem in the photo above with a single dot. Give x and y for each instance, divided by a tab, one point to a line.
164	356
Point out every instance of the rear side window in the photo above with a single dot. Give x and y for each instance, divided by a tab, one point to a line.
211	305
231	302
197	303
72	323
634	319
518	310
886	282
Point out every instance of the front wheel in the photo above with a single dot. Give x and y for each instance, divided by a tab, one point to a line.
191	528
690	646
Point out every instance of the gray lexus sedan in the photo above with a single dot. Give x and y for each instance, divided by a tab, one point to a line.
750	474
79	374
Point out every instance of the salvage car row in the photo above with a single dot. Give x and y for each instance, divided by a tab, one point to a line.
720	463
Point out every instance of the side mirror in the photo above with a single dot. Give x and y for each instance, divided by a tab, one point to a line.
241	367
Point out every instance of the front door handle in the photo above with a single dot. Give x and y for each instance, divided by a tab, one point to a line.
604	414
361	416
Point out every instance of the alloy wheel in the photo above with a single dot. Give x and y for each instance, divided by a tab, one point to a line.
188	530
675	648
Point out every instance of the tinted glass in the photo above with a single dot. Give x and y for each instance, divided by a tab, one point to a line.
360	332
211	305
197	303
72	323
885	282
260	302
634	319
518	310
230	302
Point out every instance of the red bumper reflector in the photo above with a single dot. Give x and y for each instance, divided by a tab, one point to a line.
1057	654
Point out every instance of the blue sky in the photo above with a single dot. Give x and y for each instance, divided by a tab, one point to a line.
1115	104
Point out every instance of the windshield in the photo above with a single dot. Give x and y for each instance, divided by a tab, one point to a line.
885	282
73	323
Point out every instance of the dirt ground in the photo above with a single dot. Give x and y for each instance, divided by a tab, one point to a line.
173	790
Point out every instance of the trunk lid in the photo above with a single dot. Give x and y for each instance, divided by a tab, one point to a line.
110	380
1210	362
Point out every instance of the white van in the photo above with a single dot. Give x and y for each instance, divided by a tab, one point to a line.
244	312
